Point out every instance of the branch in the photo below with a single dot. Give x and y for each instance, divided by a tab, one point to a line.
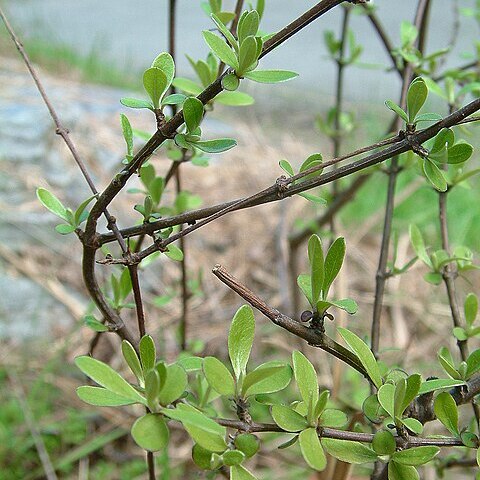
314	337
385	40
281	189
333	433
176	121
116	323
381	275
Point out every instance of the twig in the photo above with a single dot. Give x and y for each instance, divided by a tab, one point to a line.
96	293
383	37
314	337
191	217
333	433
381	275
279	191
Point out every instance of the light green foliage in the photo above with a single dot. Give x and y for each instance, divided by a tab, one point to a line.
150	432
437	260
323	271
350	452
240	339
364	354
73	219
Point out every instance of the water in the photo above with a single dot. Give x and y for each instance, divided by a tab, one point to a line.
133	33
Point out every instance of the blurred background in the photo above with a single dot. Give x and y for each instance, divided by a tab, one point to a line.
89	54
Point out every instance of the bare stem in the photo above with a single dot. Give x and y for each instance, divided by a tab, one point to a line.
382	273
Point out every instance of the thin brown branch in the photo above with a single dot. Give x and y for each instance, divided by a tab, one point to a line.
281	189
333	433
382	274
314	337
117	184
385	39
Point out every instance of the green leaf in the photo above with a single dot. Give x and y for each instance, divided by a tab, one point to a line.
101	397
473	363
413	384
155	188
269	377
188	86
218	376
444	138
384	442
221	49
132	360
52	203
150	432
434	175
416	456
304	282
321	404
413	425
347	304
470	308
288	419
91	322
333	263
248	55
152	388
459	153
174	385
235	99
105	376
230	82
349	452
333	418
286	167
247	25
165	63
446	411
233	457
216	146
313	198
312	161
428	117
148	353
418	245
396	471
192	113
237	472
127	133
156	84
174	99
439	384
386	398
205	431
364	354
136	103
317	267
270	76
80	213
373	410
202	457
312	450
225	32
64	229
395	108
416	97
247	443
174	253
306	378
240	339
